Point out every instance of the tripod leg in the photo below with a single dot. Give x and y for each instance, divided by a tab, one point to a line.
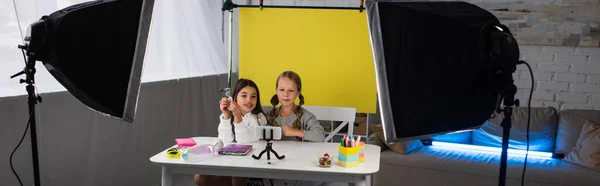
277	155
268	155
259	155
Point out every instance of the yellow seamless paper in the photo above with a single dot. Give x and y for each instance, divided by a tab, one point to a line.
329	49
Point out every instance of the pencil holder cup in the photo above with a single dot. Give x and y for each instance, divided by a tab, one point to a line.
348	156
361	152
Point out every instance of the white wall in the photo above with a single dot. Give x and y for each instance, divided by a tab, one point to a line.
185	41
11	59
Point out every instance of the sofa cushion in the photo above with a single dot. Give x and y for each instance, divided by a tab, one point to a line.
402	147
570	123
587	150
485	163
374	140
463	137
542	131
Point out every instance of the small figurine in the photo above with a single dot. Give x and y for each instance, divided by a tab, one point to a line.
325	160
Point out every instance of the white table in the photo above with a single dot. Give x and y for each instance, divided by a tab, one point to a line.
300	163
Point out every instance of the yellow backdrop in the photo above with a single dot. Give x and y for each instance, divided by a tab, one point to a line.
329	49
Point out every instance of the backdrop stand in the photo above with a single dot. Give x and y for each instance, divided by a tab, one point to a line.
228	5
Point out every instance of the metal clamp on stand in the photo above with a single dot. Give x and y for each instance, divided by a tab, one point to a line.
362	7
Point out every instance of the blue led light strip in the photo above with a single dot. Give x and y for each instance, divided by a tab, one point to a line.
491	149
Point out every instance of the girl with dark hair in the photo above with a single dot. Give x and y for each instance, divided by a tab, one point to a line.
239	117
246	111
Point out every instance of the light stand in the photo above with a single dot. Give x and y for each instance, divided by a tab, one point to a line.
268	148
508	94
32	99
504	54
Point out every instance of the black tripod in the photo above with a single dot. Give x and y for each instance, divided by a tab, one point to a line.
268	148
32	100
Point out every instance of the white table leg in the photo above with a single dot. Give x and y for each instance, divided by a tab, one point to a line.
364	181
167	176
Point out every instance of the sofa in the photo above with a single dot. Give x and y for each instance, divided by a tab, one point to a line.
550	131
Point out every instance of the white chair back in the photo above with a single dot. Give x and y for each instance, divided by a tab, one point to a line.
346	115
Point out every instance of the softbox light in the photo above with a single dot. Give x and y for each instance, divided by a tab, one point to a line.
96	51
435	66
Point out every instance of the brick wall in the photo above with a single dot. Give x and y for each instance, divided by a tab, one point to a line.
565	77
